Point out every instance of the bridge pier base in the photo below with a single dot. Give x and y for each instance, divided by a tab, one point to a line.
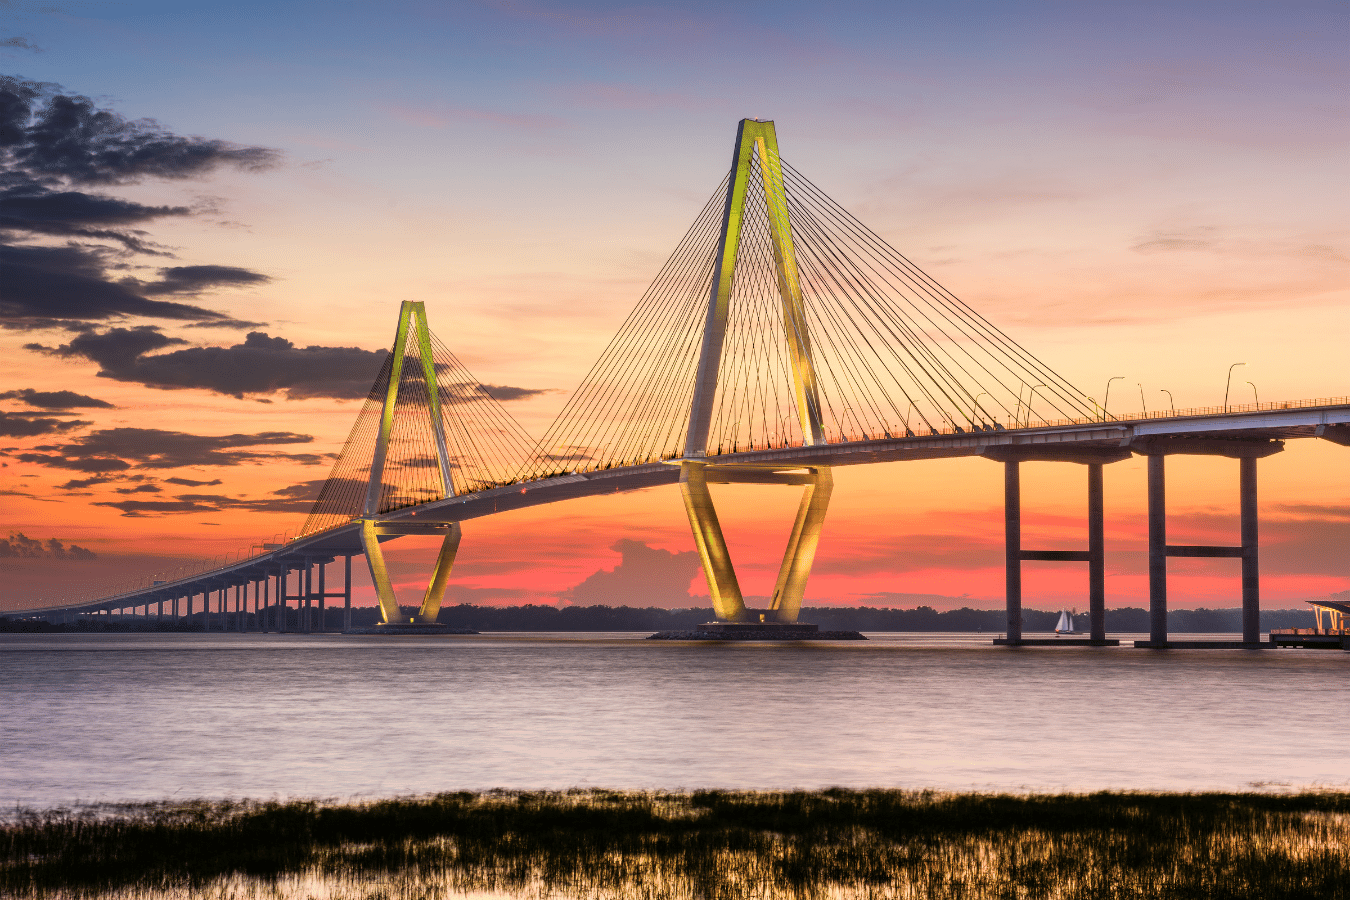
1095	556
1247	452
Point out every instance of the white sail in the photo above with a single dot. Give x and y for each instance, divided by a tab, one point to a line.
1065	624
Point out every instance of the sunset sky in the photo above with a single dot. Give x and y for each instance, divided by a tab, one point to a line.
192	308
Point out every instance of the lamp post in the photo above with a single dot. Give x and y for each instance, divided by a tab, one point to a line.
1229	384
977	403
1030	397
1256	395
1170	402
1107	400
1142	401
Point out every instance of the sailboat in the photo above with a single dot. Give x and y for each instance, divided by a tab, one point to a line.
1065	623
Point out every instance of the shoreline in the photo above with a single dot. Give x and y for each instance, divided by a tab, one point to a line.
603	843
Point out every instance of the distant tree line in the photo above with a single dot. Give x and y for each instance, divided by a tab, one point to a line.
628	618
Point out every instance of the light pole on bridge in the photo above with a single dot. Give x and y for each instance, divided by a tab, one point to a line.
1170	402
1106	401
1229	384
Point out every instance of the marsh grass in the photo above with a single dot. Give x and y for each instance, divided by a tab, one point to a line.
718	845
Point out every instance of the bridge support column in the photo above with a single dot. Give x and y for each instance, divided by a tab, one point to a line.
1095	459
347	593
723	587
1247	452
379	572
1012	548
306	602
790	588
279	604
1157	550
1251	570
323	596
1096	554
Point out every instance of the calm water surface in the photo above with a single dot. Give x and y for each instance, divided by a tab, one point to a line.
128	717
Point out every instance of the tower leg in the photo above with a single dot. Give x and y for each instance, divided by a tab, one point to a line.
1157	549
1251	571
790	589
445	560
1096	554
1012	554
727	602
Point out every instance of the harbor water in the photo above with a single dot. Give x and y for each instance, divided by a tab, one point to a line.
103	718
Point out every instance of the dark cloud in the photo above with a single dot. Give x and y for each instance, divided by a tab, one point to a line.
138	508
51	145
154	448
79	484
298	498
645	576
46	286
260	365
76	464
18	43
188	482
37	209
147	488
20	546
46	133
21	425
55	399
195	279
504	393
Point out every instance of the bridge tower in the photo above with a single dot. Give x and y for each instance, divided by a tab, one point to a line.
755	154
412	333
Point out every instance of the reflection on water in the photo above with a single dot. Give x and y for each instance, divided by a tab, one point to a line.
145	717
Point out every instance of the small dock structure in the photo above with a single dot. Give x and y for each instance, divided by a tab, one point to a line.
1329	633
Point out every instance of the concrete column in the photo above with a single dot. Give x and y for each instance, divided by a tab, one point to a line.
306	590
159	612
1251	570
1096	554
1012	527
323	590
1157	550
279	608
346	593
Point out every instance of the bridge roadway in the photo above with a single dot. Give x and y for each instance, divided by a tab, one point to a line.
1231	433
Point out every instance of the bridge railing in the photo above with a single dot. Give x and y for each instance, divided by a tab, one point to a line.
836	435
168	576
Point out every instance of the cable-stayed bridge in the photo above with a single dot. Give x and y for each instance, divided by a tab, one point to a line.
781	338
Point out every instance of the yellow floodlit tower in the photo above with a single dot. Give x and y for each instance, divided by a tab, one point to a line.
412	320
756	148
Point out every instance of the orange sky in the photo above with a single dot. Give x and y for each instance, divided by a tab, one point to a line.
1145	193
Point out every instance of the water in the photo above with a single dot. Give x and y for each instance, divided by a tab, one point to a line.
138	717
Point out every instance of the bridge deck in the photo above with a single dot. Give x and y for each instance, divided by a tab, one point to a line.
1331	421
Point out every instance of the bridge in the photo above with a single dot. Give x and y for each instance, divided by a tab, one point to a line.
782	338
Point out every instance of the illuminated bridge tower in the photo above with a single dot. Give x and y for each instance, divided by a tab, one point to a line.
756	180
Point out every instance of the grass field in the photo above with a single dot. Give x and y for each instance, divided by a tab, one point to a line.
707	844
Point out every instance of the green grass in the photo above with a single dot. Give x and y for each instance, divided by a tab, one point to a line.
708	844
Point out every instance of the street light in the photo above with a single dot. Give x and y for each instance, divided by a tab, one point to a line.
1229	384
1030	397
1107	401
1170	401
1142	401
1255	394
